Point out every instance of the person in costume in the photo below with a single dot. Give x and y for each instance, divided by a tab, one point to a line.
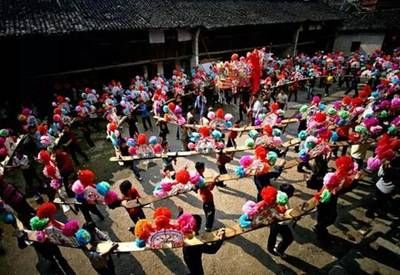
192	255
21	160
132	124
70	141
232	135
282	99
264	180
130	193
66	167
384	188
282	228
102	263
222	160
83	125
17	201
207	198
145	115
200	104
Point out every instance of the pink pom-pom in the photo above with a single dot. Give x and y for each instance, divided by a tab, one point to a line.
55	184
111	197
211	115
395	103
369	122
77	187
70	228
376	129
246	161
40	236
330	180
159	193
178	110
3	152
373	163
228	117
250	208
132	151
194	178
2	140
359	110
187	223
166	186
191	146
276	141
316	100
157	149
181	120
219	145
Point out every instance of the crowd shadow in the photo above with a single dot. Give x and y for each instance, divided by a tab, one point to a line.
171	261
260	255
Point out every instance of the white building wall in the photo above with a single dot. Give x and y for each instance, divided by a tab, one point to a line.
369	42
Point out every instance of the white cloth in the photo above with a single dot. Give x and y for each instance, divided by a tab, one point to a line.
22	162
257	106
384	187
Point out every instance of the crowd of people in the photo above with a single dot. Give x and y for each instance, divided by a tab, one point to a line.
46	153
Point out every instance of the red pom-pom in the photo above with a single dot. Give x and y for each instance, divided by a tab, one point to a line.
344	164
51	170
44	157
204	131
325	135
162	211
42	128
46	210
162	222
320	117
281	209
383	140
87	177
112	126
346	100
267	130
357	101
260	152
220	113
365	92
142	139
171	106
182	176
268	195
354	137
395	144
57	111
387	154
274	107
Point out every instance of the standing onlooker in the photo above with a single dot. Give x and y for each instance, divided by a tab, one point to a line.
282	99
207	198
200	103
130	193
145	115
70	141
281	228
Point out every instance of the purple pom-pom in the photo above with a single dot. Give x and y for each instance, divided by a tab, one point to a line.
70	228
111	197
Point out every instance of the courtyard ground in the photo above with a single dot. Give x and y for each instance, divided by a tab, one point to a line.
360	245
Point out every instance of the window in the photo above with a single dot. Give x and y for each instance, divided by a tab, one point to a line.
156	36
355	46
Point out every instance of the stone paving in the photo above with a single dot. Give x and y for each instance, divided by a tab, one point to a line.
360	245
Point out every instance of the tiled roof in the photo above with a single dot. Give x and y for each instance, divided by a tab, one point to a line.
22	17
381	20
